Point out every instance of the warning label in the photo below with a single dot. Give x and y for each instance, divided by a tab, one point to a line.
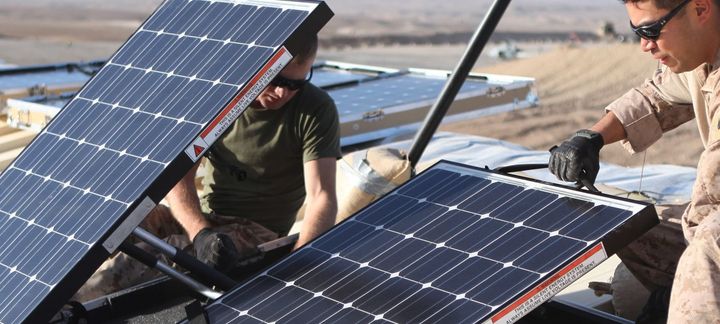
551	286
197	149
243	99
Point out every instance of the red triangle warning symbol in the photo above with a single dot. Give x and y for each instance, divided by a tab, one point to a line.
198	150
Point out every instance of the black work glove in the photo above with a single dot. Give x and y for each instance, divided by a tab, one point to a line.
215	249
577	158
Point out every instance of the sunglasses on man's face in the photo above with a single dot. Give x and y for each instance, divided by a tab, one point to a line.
651	31
291	84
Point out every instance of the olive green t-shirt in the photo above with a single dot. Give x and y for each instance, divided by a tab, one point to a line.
255	169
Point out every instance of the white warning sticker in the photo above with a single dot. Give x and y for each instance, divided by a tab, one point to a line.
197	149
551	286
232	111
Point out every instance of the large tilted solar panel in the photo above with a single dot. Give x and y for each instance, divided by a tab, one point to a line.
129	135
455	244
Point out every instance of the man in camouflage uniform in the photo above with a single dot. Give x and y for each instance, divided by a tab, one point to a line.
279	154
684	36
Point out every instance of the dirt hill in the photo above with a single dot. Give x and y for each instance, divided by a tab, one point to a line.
574	85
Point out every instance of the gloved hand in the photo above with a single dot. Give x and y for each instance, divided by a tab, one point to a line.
577	158
215	249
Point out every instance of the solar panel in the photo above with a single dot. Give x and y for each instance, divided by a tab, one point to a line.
454	245
398	103
49	75
130	134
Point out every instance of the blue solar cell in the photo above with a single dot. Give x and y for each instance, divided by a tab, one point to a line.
466	275
298	264
433	182
314	310
595	223
420	306
490	198
322	278
525	205
387	295
501	286
443	228
460	311
559	214
400	256
370	246
352	233
356	284
513	244
428	268
554	250
479	234
417	217
350	315
283	302
458	191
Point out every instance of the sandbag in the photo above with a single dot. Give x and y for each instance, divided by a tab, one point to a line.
629	295
364	176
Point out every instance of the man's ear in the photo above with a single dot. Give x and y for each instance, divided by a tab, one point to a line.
702	9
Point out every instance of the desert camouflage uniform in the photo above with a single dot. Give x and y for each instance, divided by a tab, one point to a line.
121	271
659	105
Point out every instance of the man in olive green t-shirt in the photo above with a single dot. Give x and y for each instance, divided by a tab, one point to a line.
279	154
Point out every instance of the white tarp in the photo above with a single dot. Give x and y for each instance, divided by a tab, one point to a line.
663	183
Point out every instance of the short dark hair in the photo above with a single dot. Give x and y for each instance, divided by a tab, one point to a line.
664	4
307	50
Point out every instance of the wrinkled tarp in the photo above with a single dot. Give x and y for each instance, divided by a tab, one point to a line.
662	183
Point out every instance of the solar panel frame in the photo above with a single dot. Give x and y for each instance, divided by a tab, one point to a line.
318	14
523	301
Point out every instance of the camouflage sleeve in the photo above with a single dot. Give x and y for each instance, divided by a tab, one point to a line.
706	191
658	105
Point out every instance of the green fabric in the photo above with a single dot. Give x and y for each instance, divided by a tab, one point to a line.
256	167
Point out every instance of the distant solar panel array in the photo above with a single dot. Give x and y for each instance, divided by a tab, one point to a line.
373	102
117	147
453	245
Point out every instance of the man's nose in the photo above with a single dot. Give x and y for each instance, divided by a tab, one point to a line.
279	91
647	45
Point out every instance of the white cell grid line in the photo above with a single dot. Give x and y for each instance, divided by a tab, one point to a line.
172	74
68	185
137	110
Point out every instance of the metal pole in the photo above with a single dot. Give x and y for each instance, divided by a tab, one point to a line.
186	261
447	96
147	259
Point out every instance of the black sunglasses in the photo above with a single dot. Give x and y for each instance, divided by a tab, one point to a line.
291	84
651	31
